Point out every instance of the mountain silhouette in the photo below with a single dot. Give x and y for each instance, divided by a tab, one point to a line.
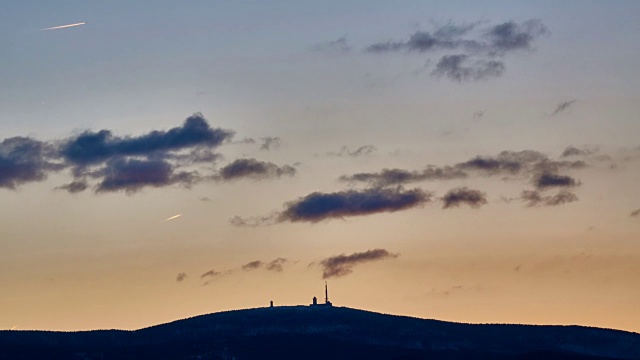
323	332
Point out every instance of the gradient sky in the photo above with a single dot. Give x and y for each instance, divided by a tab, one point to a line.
458	160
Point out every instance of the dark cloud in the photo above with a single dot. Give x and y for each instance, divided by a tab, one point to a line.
635	212
320	206
463	195
252	265
390	177
132	175
562	107
341	265
23	160
526	162
461	68
181	276
270	143
534	198
511	36
276	265
210	273
340	45
444	38
126	163
362	150
491	165
476	48
74	186
90	148
550	180
254	169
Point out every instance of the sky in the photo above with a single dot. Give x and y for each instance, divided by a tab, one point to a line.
470	161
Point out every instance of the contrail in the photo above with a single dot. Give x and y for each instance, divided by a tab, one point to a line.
173	217
13	328
64	26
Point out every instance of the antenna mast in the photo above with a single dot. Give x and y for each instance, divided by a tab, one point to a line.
326	293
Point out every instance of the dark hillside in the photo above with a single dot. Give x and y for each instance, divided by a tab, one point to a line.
303	332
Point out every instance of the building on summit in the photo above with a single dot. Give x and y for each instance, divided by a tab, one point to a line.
326	298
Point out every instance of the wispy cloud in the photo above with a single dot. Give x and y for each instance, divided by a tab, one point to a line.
361	151
254	169
276	265
574	151
74	186
463	195
270	143
471	50
535	198
340	45
635	212
341	265
392	177
461	68
252	265
210	273
561	107
181	277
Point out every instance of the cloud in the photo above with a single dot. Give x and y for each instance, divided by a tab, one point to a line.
340	45
389	177
534	198
478	114
254	169
503	163
460	68
90	148
493	41
24	160
210	273
446	37
464	195
270	143
131	175
321	206
181	277
252	265
276	265
74	186
635	212
254	221
126	163
361	151
561	107
341	265
529	162
475	47
511	36
573	151
549	180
